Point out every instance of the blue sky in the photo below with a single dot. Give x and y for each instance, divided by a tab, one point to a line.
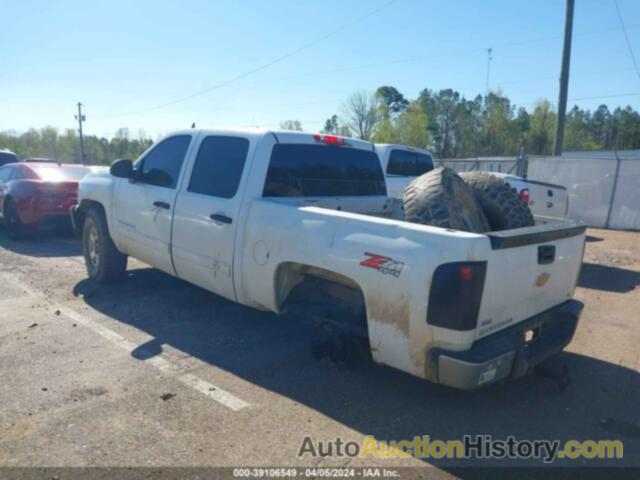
119	57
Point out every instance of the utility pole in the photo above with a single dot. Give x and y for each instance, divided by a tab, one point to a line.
489	58
81	118
564	79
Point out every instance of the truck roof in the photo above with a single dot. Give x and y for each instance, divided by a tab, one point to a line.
383	146
283	136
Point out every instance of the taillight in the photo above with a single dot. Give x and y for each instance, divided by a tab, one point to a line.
524	195
455	296
330	139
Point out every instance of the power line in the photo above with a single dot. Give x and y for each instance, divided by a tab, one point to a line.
319	121
440	55
616	95
367	66
307	121
579	99
541	79
377	64
319	102
626	37
276	105
556	37
263	66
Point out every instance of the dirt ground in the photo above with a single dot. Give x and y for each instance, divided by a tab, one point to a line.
156	372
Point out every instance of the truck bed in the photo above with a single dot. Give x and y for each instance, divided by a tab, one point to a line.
522	278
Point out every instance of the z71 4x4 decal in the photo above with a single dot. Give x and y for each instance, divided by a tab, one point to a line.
385	265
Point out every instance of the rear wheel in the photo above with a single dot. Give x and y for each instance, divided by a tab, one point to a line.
103	260
16	230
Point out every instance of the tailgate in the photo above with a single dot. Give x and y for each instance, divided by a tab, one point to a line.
547	199
529	270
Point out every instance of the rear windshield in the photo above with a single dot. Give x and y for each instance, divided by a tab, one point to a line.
50	173
323	170
6	157
409	164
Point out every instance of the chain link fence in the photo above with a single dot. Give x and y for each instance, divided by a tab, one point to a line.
512	165
603	187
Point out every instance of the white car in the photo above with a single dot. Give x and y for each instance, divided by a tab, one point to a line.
402	164
289	221
545	200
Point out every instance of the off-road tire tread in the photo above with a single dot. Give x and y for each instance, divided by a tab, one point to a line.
501	204
442	199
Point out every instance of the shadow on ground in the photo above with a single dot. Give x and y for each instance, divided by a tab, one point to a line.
44	243
592	239
604	277
274	353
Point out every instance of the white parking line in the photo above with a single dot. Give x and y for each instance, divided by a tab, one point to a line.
212	391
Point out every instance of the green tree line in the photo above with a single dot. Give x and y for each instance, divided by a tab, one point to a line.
452	126
48	142
443	121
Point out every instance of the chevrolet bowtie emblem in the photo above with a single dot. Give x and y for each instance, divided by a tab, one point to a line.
542	279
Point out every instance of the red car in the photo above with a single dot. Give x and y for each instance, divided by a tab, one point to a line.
38	194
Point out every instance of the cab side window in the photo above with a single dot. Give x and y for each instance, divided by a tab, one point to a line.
407	163
162	165
219	166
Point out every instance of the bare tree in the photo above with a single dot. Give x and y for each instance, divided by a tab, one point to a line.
361	114
291	125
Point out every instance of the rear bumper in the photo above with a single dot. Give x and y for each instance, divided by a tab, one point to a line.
35	213
54	221
506	354
46	219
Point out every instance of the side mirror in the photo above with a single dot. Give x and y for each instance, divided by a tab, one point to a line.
122	168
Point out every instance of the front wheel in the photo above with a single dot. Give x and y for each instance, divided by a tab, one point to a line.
103	260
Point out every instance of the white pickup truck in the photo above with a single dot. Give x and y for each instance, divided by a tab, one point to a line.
402	163
295	222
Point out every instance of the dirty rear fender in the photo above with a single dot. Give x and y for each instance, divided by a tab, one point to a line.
391	262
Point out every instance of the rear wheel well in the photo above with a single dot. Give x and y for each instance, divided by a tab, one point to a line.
322	295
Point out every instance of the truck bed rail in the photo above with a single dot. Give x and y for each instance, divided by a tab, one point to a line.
536	234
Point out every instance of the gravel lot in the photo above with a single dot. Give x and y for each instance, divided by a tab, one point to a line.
154	371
